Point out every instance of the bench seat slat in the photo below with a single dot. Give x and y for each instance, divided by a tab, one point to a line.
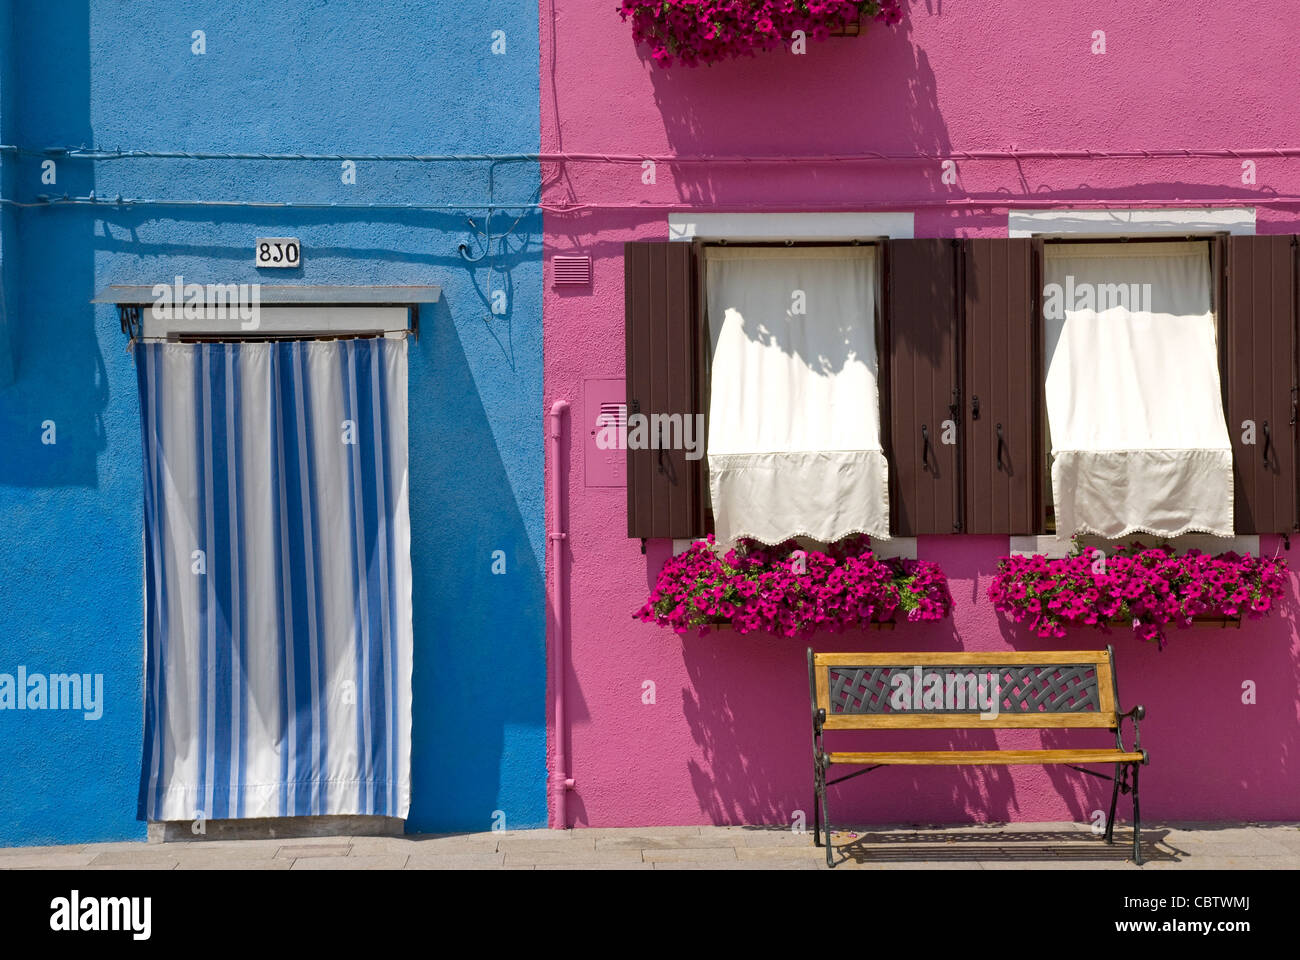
991	757
904	658
971	721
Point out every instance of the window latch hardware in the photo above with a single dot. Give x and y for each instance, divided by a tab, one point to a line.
925	447
1001	444
975	407
1268	443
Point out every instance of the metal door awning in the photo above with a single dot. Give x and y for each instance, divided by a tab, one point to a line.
184	311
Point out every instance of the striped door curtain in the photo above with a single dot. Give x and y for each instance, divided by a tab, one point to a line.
278	579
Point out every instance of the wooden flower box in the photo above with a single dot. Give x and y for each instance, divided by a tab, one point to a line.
874	625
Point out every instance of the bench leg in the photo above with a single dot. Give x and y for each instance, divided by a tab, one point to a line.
1137	820
1114	797
826	819
817	806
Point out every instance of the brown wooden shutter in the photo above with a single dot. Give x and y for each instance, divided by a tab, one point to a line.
1259	339
664	350
922	387
1004	386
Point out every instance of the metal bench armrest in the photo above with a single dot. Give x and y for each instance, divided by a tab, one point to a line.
1135	714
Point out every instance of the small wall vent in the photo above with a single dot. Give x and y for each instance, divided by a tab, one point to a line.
612	415
605	456
572	271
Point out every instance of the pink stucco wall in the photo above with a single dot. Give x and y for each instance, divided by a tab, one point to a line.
727	739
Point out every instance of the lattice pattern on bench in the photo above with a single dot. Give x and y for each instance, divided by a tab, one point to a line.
1024	688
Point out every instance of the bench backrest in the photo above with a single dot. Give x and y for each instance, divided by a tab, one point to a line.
948	691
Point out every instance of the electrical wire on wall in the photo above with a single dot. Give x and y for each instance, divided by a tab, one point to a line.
995	201
1010	153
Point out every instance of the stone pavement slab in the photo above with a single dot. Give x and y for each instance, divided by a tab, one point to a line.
685	842
577	845
454	861
148	865
609	865
682	854
296	851
245	849
145	857
430	844
580	855
37	851
46	860
1286	838
235	863
608	833
386	861
739	865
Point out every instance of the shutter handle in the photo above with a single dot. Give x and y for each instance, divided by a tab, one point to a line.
975	407
925	447
1268	443
1001	444
1293	405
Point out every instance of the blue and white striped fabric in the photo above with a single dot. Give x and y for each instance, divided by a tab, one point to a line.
278	579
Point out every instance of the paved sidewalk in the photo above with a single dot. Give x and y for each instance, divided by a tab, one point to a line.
1034	846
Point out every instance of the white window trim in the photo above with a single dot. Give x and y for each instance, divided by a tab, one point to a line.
1143	221
766	227
1238	221
836	226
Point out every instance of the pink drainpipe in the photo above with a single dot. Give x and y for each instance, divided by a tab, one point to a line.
561	782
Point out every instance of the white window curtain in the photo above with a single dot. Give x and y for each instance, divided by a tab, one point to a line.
277	579
794	411
1139	440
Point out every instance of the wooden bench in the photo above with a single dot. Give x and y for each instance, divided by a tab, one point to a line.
1040	691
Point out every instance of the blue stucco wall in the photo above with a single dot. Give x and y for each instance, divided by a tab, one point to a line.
8	248
383	76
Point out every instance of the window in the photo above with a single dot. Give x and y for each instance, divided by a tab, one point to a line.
794	443
1139	443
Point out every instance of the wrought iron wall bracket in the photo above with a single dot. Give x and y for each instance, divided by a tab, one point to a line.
128	317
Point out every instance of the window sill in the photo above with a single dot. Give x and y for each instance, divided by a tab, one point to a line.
1210	622
1055	547
730	628
904	547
